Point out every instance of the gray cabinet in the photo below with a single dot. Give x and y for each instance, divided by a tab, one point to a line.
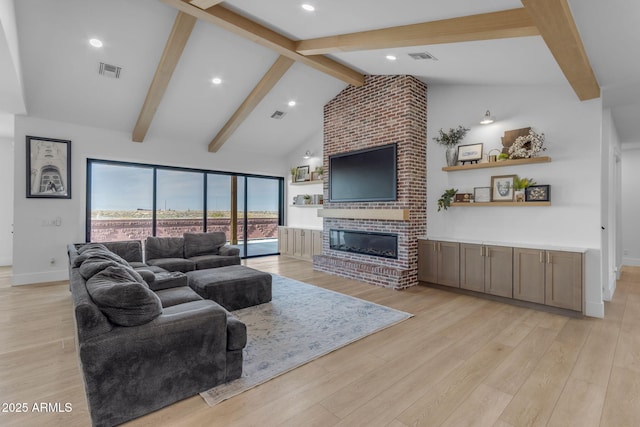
487	269
439	262
549	277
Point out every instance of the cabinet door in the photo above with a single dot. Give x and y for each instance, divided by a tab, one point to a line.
498	271
428	261
292	241
449	264
529	275
472	267
564	280
305	244
316	242
282	239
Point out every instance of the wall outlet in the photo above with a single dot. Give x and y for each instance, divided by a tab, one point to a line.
626	253
52	261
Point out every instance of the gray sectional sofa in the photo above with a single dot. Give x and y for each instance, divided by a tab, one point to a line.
145	343
193	251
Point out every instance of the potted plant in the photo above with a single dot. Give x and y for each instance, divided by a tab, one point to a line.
502	157
307	199
450	139
445	200
293	170
519	185
319	171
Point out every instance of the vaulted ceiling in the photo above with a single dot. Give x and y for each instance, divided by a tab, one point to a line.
270	53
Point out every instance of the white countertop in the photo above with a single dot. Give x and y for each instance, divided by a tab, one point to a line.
509	244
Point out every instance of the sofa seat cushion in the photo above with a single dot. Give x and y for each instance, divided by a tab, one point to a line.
203	243
173	264
214	261
166	280
122	298
174	296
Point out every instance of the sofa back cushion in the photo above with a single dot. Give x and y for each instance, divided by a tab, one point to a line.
122	298
97	252
164	247
196	244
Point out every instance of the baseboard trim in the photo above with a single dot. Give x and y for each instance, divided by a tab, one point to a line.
608	292
594	309
633	262
5	262
43	277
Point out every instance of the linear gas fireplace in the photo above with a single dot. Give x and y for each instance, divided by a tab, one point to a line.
364	242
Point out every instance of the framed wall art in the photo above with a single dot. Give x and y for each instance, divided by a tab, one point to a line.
48	168
470	153
537	193
502	188
482	194
302	174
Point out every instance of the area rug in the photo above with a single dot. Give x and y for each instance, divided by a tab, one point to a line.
300	324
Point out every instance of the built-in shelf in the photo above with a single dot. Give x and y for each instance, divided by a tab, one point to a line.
515	162
315	181
305	206
383	214
519	204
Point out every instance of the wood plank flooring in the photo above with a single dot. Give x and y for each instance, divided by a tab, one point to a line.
461	361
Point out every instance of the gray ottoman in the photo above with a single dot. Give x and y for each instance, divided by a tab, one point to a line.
233	287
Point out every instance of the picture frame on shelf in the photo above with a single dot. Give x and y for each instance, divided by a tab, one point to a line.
482	194
470	153
502	188
48	168
463	198
302	174
537	193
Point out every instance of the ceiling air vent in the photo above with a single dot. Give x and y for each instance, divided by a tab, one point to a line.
109	70
278	115
418	56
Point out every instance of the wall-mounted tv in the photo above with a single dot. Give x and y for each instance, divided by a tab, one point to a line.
368	175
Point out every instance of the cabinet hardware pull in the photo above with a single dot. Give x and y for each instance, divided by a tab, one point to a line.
481	250
548	258
487	252
541	260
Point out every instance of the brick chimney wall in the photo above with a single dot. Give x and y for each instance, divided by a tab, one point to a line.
385	110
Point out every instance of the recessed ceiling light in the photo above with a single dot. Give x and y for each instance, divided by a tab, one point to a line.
292	103
308	7
216	80
95	43
391	57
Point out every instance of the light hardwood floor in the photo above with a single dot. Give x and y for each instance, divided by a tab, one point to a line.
460	361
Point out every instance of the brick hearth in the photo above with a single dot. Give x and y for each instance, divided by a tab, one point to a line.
386	109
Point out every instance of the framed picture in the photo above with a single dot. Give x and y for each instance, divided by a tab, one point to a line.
48	168
482	194
470	153
537	193
502	188
302	173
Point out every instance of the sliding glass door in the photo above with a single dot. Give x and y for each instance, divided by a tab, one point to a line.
131	202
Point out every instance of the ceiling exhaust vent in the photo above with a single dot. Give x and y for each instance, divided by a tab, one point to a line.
109	70
419	56
278	115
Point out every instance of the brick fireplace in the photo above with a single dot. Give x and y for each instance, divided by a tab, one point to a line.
385	110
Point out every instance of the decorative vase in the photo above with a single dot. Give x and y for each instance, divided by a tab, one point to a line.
519	195
452	156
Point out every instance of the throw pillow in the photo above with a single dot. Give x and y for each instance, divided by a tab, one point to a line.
196	244
124	300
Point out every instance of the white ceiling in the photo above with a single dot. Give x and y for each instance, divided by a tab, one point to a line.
61	81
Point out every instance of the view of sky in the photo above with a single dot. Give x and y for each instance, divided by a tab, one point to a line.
117	187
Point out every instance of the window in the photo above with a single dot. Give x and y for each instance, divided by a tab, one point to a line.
127	201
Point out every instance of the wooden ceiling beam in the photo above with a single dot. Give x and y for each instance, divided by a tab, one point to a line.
558	29
273	76
205	4
264	36
180	33
486	26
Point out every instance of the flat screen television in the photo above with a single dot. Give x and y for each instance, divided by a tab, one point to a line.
368	175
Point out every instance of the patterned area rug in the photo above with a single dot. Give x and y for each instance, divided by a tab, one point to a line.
300	324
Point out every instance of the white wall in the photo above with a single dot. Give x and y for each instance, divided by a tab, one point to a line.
297	216
35	245
6	195
573	141
631	204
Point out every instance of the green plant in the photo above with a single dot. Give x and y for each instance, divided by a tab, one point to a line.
452	137
445	200
294	170
319	170
503	156
522	183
